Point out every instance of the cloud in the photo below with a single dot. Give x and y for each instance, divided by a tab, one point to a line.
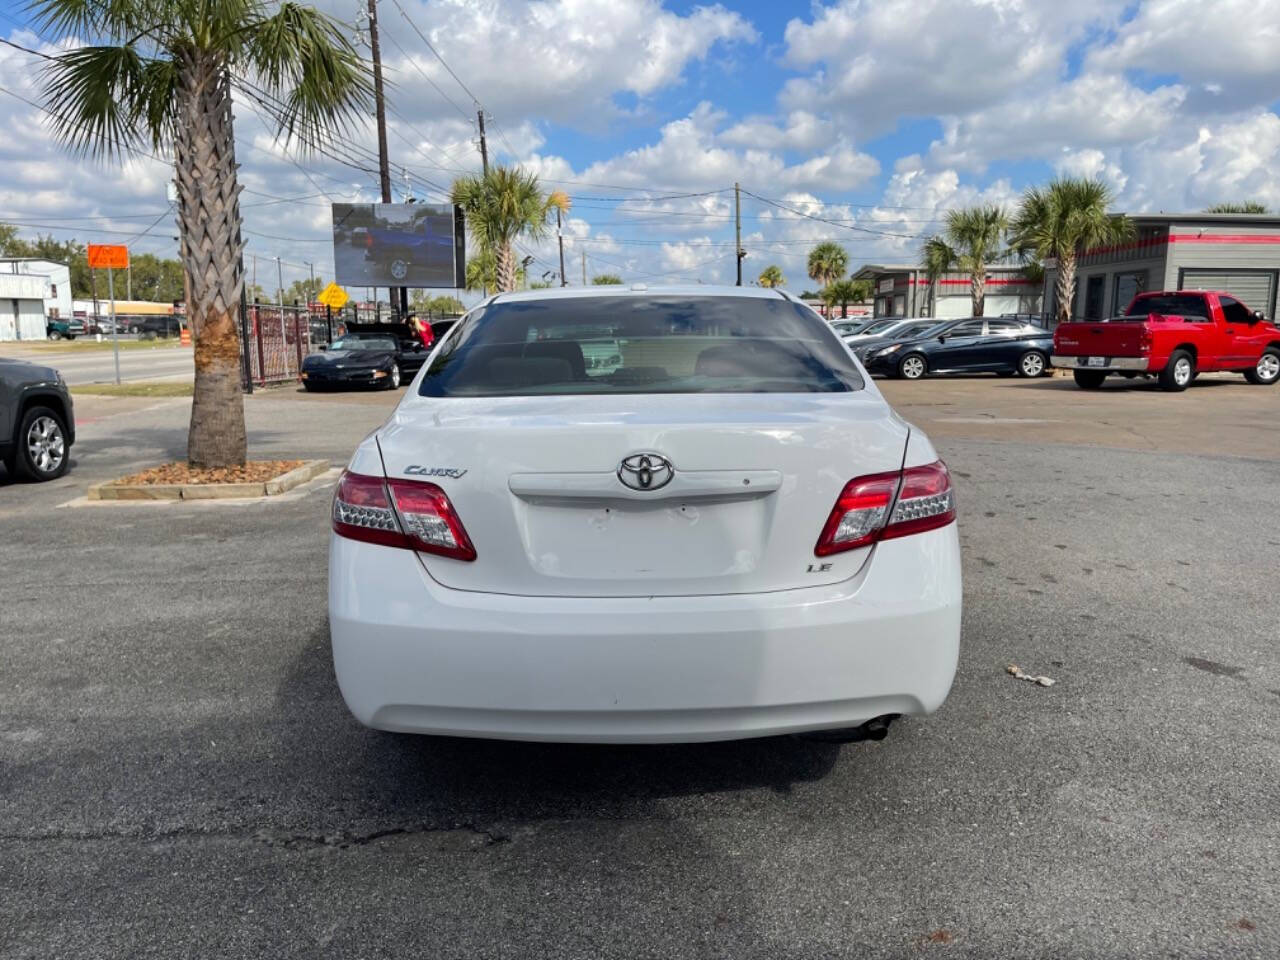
1229	49
881	62
690	154
1094	110
559	60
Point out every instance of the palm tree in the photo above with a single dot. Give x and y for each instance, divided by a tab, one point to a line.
828	262
1248	206
159	76
482	272
843	293
501	206
974	236
1063	221
937	257
771	276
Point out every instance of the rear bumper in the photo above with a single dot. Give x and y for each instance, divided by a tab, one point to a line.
413	656
1113	363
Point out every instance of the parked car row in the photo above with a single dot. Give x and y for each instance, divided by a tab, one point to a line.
1170	336
911	349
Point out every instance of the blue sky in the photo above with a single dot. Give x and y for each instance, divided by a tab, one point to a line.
871	117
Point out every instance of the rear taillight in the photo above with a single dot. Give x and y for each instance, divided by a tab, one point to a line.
408	514
1144	340
883	506
368	241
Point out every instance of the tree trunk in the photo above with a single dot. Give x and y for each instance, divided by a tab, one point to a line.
506	269
1064	285
209	223
978	292
844	309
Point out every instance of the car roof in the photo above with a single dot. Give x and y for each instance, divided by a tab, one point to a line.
642	290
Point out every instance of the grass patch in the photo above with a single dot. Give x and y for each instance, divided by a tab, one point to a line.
89	343
138	388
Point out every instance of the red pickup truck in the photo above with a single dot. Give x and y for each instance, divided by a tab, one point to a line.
1172	336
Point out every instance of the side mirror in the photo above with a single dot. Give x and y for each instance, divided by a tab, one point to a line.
1257	317
324	346
942	339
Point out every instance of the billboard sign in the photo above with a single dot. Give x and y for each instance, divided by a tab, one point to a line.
398	245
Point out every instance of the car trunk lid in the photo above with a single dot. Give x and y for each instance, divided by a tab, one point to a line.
536	483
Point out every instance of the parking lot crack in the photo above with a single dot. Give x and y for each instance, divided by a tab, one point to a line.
274	837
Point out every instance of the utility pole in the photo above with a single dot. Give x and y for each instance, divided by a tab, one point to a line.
129	281
380	110
380	103
564	281
584	268
484	147
737	228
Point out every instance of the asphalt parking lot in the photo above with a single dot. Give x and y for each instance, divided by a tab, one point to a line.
179	777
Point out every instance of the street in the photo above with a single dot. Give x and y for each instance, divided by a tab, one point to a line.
82	363
180	777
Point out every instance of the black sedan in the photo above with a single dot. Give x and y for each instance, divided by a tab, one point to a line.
368	359
969	345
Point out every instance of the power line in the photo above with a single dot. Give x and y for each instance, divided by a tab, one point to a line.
414	63
423	37
835	223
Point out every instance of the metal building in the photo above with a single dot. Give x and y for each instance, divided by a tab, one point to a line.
1238	253
57	281
903	290
22	306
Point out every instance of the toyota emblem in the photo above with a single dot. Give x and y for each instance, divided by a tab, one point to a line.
646	471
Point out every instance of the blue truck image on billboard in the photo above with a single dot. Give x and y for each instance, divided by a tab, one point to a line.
397	245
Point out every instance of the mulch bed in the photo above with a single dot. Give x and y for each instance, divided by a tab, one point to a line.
255	471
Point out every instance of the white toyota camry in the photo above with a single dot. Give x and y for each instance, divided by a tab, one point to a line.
645	515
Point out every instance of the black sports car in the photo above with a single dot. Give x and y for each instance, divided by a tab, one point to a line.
969	345
363	359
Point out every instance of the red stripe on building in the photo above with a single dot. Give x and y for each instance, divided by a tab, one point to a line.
1223	238
1246	238
991	282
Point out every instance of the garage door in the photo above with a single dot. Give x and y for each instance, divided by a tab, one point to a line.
950	307
1255	290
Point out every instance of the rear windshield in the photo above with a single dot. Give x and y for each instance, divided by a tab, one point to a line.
629	344
1178	305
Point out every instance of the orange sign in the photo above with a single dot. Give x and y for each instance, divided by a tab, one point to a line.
108	256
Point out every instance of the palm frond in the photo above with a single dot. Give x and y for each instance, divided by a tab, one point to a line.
303	56
97	99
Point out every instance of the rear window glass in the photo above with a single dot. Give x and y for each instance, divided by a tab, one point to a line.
650	344
1178	305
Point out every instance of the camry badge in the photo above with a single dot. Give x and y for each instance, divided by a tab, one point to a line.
413	470
646	471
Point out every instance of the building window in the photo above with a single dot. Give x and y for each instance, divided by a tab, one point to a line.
53	289
1093	297
1128	286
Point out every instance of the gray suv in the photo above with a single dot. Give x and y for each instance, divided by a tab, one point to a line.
37	423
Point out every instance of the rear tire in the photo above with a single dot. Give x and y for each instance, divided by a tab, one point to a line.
912	367
1088	379
54	335
393	380
1267	371
1032	364
1178	372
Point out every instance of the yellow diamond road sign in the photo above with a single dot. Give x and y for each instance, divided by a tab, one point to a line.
333	296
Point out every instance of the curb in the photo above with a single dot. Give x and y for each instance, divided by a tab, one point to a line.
111	490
